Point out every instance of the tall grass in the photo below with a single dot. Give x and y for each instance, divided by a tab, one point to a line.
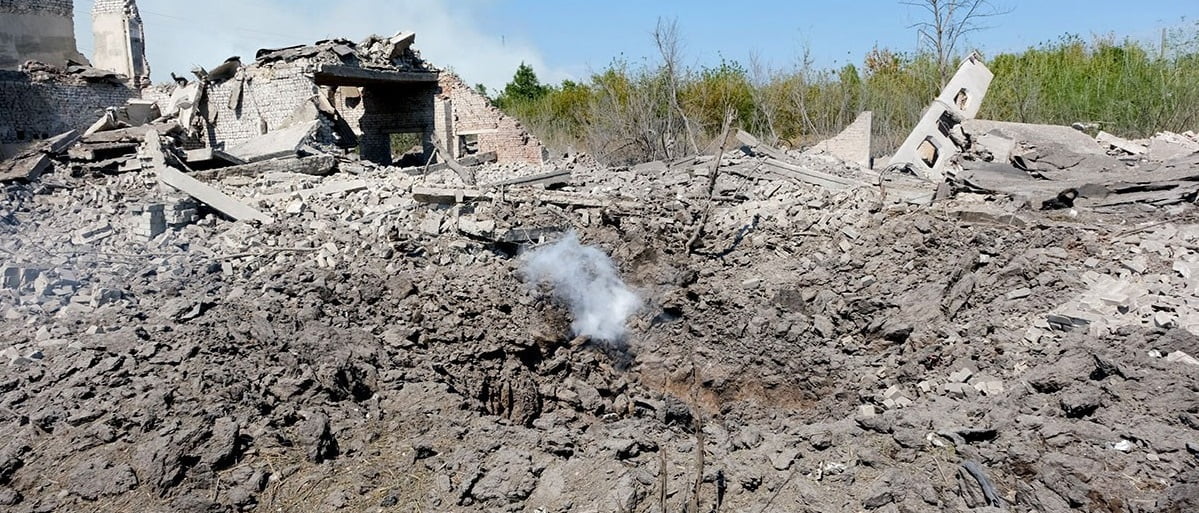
626	113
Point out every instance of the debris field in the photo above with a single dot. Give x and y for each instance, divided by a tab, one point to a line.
1005	320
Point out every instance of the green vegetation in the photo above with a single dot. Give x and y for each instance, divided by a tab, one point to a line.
655	110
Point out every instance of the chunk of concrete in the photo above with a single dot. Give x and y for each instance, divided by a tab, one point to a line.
202	192
1168	146
210	196
279	143
928	148
1110	141
317	165
208	158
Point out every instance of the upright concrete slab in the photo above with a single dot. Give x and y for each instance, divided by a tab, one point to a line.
965	91
928	148
853	144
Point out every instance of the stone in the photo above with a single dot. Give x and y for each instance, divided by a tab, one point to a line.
1181	357
961	376
782	459
989	388
957	390
1020	293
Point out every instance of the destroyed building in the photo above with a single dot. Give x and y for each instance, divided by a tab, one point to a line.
120	41
369	97
377	99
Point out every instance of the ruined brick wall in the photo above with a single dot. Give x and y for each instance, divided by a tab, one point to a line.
41	30
64	8
387	110
473	114
38	109
109	6
272	93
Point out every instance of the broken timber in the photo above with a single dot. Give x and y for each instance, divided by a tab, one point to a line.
467	176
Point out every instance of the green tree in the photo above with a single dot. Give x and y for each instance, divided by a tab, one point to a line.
524	87
482	89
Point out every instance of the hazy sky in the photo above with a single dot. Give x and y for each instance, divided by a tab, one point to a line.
484	40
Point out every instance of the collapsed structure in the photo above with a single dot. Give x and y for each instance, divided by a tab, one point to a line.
210	303
366	99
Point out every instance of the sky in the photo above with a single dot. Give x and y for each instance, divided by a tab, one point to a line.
485	40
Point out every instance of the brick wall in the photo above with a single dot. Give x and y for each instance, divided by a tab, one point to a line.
272	93
38	109
110	6
496	131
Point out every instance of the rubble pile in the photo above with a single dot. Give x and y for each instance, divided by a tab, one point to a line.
825	346
195	330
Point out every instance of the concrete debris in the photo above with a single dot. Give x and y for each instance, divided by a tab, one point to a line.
929	149
1121	144
1169	146
285	142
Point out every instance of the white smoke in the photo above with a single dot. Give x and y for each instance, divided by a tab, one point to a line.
584	278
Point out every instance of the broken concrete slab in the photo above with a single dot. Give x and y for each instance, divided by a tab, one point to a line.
279	143
466	175
210	196
1168	146
810	176
330	189
1110	141
854	144
400	43
131	134
202	192
446	195
967	88
28	167
759	147
928	149
316	165
138	112
547	179
208	158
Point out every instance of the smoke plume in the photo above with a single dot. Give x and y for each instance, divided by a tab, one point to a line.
584	278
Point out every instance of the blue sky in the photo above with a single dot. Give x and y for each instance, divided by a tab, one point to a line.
484	40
